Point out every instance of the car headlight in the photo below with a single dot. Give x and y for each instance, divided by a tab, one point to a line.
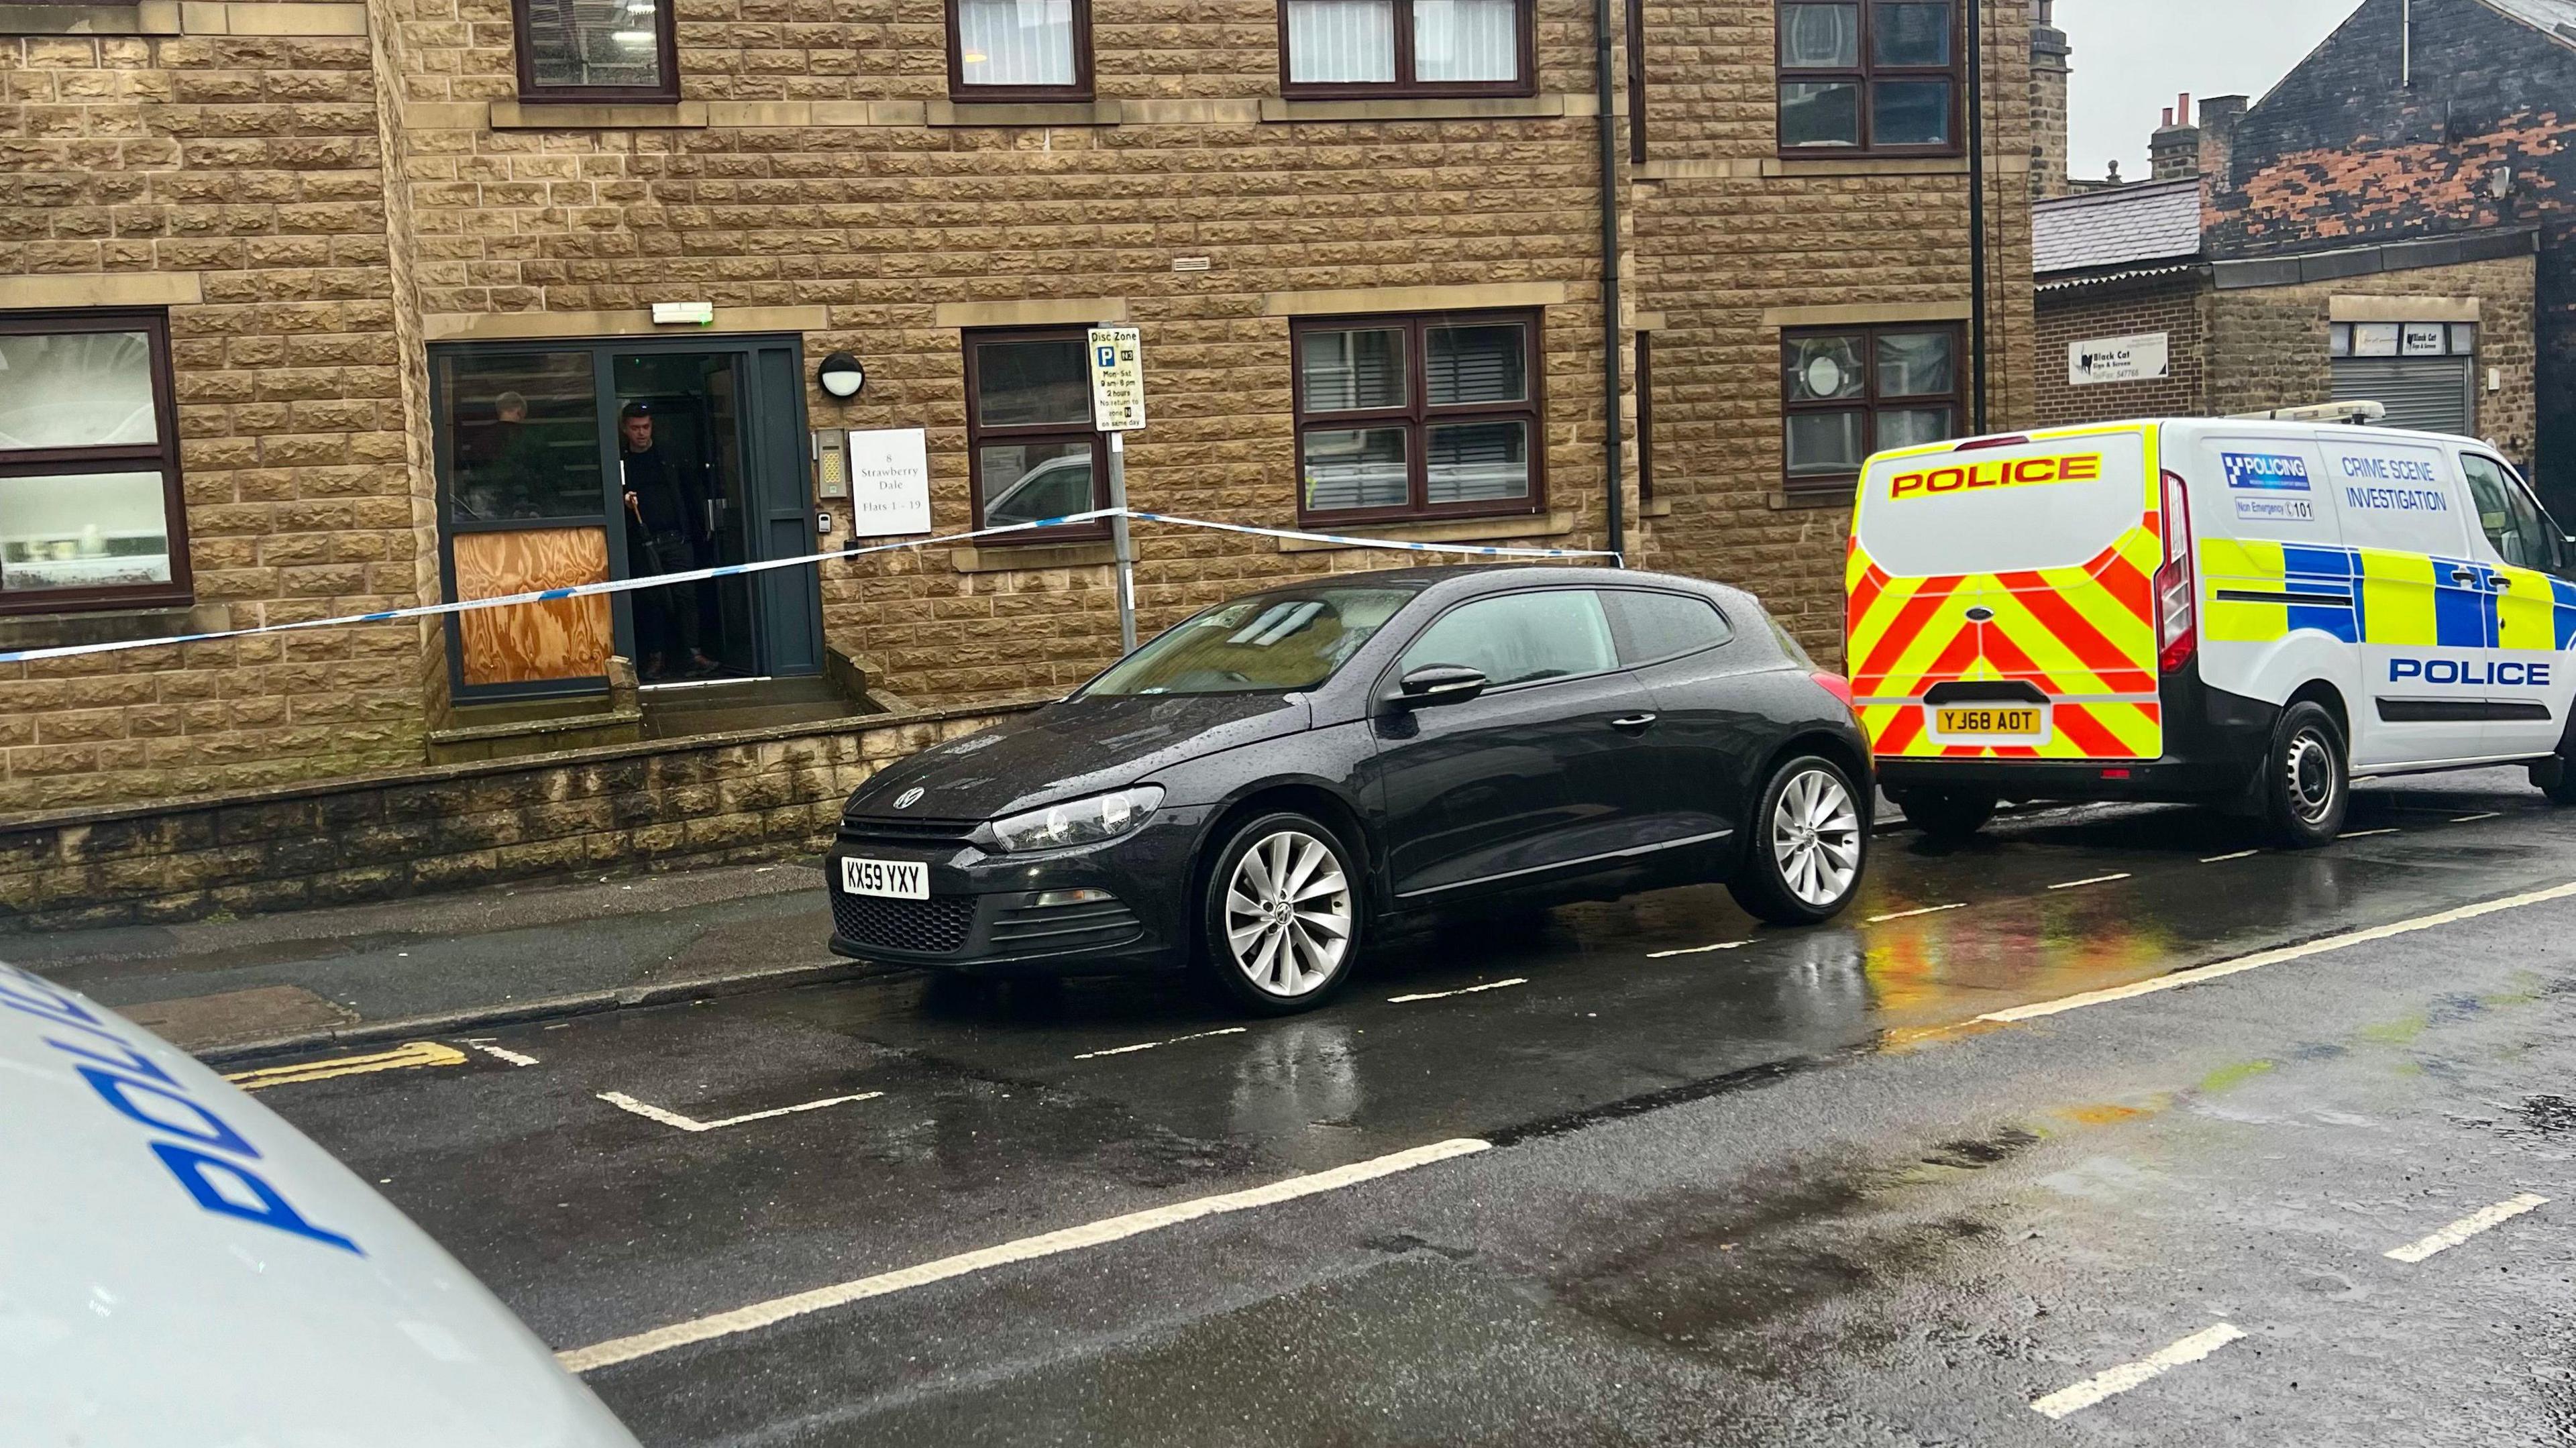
1077	821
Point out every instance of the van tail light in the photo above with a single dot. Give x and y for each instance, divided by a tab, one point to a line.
1839	687
2177	621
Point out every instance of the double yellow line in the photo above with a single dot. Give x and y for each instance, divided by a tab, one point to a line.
402	1057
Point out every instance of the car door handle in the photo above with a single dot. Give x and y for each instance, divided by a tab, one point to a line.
1634	723
2465	575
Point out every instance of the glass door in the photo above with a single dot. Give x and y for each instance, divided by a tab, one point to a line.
561	464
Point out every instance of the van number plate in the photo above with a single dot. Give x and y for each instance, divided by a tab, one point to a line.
887	879
1996	723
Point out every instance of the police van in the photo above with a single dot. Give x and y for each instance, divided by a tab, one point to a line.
2250	612
183	1268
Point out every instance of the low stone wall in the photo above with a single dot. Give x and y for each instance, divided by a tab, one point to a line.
757	795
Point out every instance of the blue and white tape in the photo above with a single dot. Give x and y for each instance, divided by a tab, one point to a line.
732	570
1473	550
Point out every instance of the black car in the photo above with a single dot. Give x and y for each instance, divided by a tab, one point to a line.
1256	790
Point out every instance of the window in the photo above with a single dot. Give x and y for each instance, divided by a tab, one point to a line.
597	50
1019	50
1520	638
1878	76
1031	446
2402	339
91	515
1658	626
1417	417
1866	390
1637	81
1277	643
1407	47
1645	418
2522	534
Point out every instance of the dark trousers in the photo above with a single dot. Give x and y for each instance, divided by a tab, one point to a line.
666	618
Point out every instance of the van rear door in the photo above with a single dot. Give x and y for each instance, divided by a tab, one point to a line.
2001	598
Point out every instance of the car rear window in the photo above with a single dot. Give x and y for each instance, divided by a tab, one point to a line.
1272	643
1666	625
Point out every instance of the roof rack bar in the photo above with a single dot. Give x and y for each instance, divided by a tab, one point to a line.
2359	414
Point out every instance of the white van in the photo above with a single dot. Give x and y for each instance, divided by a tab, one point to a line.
2251	613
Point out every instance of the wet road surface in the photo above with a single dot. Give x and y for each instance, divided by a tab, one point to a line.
1715	1184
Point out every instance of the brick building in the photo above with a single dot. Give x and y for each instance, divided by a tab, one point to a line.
310	309
2420	120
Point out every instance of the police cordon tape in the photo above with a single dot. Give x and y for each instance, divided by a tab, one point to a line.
733	570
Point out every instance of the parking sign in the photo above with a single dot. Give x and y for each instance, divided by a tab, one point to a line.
1117	379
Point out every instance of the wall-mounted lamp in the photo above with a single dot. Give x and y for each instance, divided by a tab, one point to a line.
2500	182
842	376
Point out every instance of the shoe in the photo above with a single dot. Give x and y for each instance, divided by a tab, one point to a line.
703	667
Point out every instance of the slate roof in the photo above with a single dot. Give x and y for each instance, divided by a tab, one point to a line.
2124	226
2553	18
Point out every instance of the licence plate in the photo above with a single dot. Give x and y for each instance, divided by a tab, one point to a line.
1996	723
890	879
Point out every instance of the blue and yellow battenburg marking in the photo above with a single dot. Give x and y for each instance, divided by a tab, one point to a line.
2259	591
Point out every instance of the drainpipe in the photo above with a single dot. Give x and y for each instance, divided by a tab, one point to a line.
1977	206
2406	44
1610	455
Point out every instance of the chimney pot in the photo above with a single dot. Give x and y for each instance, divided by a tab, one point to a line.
2168	118
2182	112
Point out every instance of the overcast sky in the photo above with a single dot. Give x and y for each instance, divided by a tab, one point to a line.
2133	56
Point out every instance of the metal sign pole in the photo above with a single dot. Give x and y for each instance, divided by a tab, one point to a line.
1118	543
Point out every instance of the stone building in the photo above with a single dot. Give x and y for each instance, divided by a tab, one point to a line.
312	309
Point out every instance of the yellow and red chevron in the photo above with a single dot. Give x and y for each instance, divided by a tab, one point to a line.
2080	634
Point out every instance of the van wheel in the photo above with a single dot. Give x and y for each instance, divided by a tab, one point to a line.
1808	849
1946	814
2306	784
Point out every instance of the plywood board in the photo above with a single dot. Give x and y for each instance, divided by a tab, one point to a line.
567	639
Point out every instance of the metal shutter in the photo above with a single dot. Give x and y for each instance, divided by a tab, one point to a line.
2429	394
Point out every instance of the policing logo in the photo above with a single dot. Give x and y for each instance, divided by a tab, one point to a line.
2279	472
2470	673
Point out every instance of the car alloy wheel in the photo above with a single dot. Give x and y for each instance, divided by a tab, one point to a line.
1287	914
1815	838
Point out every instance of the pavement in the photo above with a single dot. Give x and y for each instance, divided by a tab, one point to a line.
1649	1175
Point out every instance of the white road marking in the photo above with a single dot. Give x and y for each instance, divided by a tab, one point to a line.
672	1118
1910	914
1698	949
2199	973
2223	859
1174	1041
484	1045
1090	1234
2465	1228
2493	814
2129	1375
2363	834
1442	995
2096	880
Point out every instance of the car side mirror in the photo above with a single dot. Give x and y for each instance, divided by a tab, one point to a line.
1439	684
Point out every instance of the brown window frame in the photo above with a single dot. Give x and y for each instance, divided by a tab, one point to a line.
1636	25
1404	86
1417	414
667	48
962	93
1645	418
1840	487
162	455
977	435
1866	74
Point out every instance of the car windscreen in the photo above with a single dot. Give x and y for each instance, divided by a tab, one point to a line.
1272	643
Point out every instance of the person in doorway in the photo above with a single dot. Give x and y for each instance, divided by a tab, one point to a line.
664	534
